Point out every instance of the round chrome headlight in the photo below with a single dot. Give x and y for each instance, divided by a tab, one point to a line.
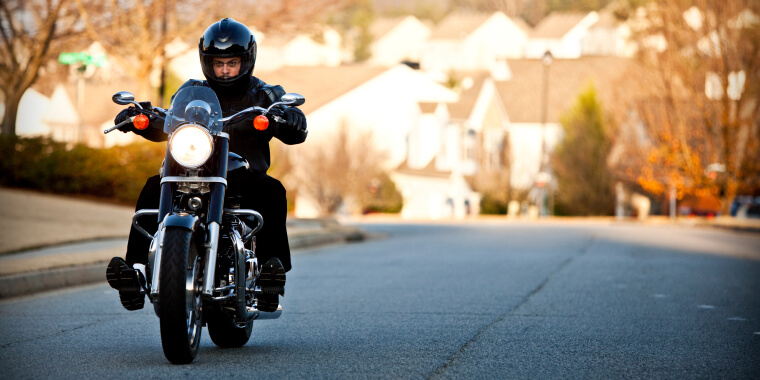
191	146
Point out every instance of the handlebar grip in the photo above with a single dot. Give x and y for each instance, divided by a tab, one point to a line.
115	127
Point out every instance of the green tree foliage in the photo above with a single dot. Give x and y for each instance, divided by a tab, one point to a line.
117	173
382	196
354	21
492	205
585	183
362	18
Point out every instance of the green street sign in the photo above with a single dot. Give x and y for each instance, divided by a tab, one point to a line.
82	58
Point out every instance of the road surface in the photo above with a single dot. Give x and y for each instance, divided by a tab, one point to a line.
471	300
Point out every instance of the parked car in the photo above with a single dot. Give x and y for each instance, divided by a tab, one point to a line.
746	206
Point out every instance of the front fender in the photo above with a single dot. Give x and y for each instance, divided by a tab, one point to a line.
182	220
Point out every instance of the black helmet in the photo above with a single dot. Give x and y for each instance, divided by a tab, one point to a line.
223	39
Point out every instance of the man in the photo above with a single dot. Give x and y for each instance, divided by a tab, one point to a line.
228	54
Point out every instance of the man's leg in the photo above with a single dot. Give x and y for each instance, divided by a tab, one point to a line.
267	196
138	244
121	274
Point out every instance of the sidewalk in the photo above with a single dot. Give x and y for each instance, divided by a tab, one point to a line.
49	242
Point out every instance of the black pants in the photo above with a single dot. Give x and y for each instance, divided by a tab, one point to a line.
262	193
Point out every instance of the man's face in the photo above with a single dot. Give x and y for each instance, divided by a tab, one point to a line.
226	67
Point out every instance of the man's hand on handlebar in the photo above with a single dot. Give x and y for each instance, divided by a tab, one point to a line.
295	118
130	112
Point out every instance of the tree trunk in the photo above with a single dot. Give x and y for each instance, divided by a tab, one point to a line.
12	101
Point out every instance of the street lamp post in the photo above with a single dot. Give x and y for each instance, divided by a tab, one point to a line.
546	60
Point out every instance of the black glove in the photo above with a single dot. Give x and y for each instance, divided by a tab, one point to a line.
295	118
129	112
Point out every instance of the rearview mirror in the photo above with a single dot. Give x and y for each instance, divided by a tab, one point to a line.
293	99
123	98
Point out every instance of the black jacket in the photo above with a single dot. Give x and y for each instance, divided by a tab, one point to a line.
245	140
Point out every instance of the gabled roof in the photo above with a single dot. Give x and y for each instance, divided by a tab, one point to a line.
428	107
61	109
428	170
458	25
557	24
520	22
606	20
523	94
382	26
467	99
321	85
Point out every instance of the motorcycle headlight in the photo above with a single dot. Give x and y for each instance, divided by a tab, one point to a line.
191	146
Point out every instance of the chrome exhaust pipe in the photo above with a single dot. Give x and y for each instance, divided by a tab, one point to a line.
254	314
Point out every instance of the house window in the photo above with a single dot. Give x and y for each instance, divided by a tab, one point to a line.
470	145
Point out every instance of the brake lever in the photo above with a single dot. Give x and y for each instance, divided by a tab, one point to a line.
276	113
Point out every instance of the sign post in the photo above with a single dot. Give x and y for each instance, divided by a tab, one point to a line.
82	59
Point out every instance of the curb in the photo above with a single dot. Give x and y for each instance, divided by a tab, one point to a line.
57	278
52	279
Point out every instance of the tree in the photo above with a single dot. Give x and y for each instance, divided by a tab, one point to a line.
27	31
343	172
702	110
585	183
354	20
134	33
293	15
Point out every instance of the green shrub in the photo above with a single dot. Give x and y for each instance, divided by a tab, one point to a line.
491	206
117	173
382	197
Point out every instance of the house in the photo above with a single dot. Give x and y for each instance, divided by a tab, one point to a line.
561	33
383	101
320	48
530	132
397	39
29	119
472	41
608	37
484	122
62	118
56	116
434	194
452	143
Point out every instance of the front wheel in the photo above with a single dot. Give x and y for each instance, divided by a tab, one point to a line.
179	296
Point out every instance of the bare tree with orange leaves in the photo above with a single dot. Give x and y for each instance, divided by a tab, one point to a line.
702	111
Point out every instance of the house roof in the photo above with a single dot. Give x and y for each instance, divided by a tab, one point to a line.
467	98
382	26
428	170
459	25
557	24
97	103
321	85
428	107
520	22
523	94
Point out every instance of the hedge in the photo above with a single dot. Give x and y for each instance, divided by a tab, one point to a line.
117	173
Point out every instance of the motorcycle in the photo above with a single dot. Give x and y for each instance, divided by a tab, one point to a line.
202	262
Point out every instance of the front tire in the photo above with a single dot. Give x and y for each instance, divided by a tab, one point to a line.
179	296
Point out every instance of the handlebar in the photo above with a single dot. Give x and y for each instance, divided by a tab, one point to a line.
132	118
289	99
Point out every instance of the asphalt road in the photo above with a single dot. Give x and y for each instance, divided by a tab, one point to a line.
487	300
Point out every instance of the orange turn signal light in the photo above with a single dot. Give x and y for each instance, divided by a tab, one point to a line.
141	122
260	123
